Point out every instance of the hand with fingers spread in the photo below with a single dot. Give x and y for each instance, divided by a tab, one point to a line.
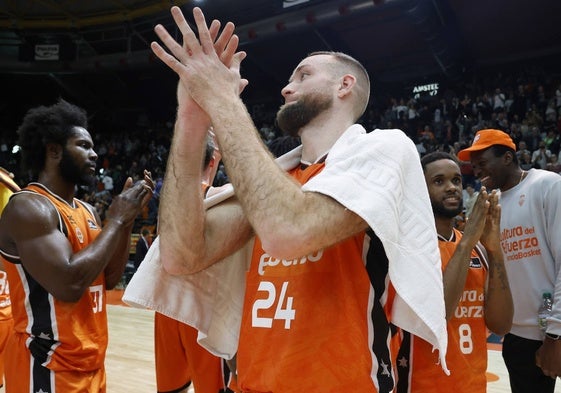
206	65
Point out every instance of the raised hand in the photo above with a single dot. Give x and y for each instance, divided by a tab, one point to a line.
129	203
206	65
476	221
490	238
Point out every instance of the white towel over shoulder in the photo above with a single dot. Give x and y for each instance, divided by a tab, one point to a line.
393	199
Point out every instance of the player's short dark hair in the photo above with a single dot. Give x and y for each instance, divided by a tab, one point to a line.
436	156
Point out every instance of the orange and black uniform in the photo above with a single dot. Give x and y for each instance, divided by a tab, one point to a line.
466	357
180	359
7	188
57	346
6	320
317	323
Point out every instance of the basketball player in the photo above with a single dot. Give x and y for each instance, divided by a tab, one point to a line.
318	278
59	259
476	288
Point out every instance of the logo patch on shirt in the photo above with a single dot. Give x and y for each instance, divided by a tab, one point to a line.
475	263
79	235
92	224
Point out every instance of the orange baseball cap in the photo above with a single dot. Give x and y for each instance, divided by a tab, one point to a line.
485	139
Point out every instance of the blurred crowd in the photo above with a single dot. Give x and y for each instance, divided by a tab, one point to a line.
525	103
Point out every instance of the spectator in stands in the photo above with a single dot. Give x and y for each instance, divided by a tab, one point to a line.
541	100
522	149
526	161
551	113
533	138
552	141
520	103
401	109
141	248
460	222
534	117
107	181
498	100
553	165
541	156
469	199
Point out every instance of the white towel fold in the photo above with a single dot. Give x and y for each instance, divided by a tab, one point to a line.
393	199
210	300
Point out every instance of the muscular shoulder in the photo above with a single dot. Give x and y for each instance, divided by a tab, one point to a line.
27	215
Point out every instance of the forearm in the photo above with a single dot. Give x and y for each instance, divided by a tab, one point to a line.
116	266
499	308
261	186
273	200
455	274
181	212
90	262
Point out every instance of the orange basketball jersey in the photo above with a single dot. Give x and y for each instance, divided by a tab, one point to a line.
60	336
466	356
7	188
180	359
5	302
317	323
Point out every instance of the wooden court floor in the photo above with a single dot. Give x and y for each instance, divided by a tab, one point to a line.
130	355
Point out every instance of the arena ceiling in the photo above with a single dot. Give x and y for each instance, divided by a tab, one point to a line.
96	53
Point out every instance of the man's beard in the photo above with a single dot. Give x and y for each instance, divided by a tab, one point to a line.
73	173
292	117
439	210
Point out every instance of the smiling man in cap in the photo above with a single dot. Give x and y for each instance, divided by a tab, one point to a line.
530	233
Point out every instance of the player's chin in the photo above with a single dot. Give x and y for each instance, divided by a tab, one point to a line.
88	180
